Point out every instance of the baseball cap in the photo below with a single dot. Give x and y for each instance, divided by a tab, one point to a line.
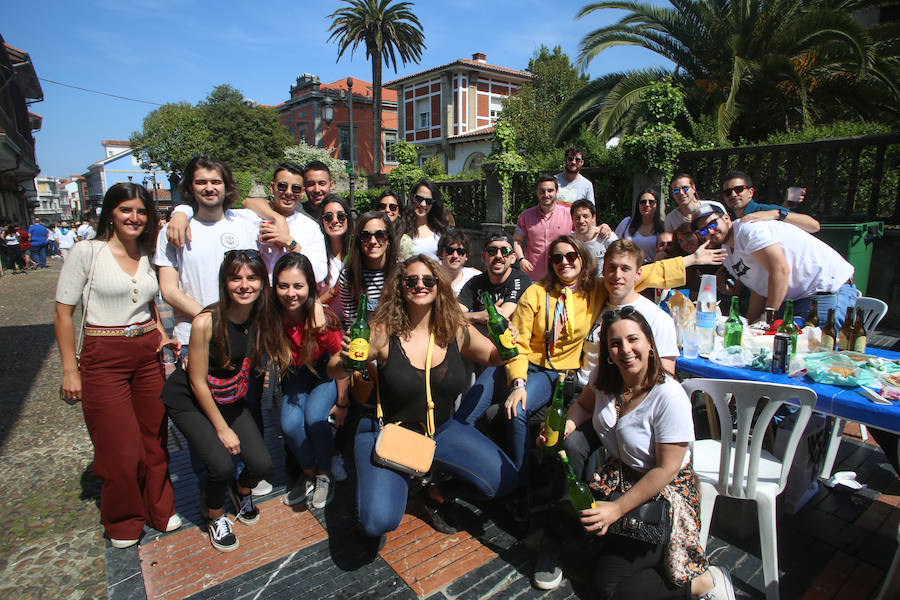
705	211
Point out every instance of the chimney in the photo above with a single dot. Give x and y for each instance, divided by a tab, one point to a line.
479	57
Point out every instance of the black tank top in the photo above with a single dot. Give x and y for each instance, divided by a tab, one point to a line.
403	386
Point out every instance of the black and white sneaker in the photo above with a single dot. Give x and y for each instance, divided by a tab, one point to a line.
245	511
300	492
220	535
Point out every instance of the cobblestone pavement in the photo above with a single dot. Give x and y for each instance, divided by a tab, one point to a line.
51	541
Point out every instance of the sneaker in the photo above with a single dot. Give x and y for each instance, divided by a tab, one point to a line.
244	510
220	535
438	515
262	488
324	491
547	574
338	472
173	523
300	492
723	588
122	543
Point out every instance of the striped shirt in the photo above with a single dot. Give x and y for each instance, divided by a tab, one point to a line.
373	282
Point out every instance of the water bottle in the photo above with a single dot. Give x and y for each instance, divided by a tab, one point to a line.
706	314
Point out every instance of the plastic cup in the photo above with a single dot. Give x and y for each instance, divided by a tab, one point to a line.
168	361
691	345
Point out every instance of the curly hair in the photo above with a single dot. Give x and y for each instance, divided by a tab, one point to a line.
609	378
392	313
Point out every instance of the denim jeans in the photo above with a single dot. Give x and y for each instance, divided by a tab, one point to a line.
39	255
491	387
840	301
304	417
461	451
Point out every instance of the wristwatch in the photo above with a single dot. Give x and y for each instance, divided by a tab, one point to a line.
783	213
293	245
517	383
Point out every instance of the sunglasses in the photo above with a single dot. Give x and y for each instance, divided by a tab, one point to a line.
646	202
418	199
492	250
282	186
614	315
738	190
573	159
680	190
714	224
381	236
570	257
246	253
329	217
455	250
385	207
411	281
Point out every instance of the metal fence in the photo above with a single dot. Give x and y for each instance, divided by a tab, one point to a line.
467	201
612	193
846	179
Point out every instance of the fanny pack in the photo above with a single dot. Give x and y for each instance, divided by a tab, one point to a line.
231	389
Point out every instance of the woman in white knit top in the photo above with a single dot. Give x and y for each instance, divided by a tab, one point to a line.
120	376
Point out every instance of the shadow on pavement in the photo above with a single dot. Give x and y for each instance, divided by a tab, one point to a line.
23	350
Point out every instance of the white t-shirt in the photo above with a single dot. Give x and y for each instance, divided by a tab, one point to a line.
647	243
661	324
597	247
675	219
427	246
815	266
86	232
303	229
570	191
66	238
198	261
663	416
467	274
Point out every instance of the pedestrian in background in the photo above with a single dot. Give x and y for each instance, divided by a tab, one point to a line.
40	237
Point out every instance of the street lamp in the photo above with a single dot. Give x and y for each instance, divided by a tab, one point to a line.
352	175
328	110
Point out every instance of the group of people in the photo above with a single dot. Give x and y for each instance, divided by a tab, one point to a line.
27	249
263	295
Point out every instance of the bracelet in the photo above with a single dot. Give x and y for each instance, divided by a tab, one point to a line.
342	405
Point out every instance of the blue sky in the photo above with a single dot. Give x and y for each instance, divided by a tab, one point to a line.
167	51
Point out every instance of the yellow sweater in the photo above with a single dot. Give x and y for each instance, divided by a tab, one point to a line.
529	318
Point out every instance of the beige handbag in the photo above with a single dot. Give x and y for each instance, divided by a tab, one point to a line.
400	448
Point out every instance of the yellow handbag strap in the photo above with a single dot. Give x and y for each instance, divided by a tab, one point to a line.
429	416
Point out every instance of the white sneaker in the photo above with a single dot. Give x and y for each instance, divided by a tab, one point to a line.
324	491
338	472
122	543
174	523
723	588
262	488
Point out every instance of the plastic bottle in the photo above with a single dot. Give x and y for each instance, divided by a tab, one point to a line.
706	314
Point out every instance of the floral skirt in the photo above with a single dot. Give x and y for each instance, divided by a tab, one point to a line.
684	558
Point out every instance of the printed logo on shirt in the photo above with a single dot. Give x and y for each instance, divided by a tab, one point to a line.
740	269
229	241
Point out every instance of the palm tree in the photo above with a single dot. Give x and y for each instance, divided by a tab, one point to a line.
387	31
753	66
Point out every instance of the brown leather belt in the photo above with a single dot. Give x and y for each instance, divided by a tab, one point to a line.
129	331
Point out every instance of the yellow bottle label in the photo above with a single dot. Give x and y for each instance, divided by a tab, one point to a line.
593	505
359	349
859	344
552	437
506	339
827	342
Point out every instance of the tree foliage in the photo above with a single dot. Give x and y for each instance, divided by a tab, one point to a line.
386	31
302	154
531	111
407	172
750	67
225	125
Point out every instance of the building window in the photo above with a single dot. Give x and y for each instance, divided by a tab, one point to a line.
344	143
496	108
301	132
390	141
423	113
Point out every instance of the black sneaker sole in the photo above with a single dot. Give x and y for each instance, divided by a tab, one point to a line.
236	503
222	548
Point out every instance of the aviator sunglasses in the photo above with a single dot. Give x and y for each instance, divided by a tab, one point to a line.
411	281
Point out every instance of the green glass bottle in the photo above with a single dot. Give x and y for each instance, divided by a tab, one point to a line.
734	329
788	326
358	352
498	329
555	423
579	493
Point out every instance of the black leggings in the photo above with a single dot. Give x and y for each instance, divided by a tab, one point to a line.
202	437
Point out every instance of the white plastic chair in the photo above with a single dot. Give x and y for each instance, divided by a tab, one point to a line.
739	467
874	311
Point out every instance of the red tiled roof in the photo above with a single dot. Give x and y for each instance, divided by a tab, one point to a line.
361	88
115	143
463	62
473	133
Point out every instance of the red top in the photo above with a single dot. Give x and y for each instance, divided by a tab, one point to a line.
328	340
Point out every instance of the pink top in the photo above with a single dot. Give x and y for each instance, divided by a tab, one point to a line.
539	231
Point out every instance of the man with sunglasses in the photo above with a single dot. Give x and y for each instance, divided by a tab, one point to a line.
571	183
453	250
687	202
779	262
278	226
737	192
503	282
538	226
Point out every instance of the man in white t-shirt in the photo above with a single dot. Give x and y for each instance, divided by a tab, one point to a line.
572	184
584	225
66	239
621	271
189	276
278	227
778	261
687	202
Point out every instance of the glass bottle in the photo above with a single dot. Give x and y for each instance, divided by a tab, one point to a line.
358	352
498	329
555	423
829	332
859	332
734	329
845	335
579	493
812	319
788	326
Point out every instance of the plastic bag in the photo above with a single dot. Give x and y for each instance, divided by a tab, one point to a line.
835	368
735	356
